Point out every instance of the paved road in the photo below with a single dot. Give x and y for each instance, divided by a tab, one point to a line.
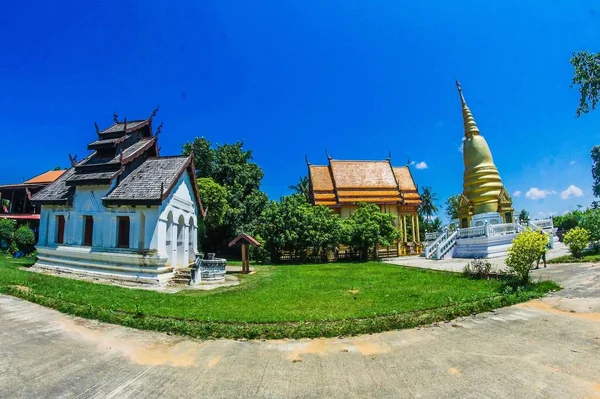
542	349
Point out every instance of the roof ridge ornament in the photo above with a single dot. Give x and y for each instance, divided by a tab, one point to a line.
470	126
327	155
407	161
97	128
306	159
73	159
389	158
158	130
125	125
115	117
154	112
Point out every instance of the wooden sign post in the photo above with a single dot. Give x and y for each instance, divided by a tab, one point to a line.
244	240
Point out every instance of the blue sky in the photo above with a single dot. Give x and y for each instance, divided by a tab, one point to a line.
292	78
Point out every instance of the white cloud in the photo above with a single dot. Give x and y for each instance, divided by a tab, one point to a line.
572	163
571	191
517	193
421	165
535	193
412	162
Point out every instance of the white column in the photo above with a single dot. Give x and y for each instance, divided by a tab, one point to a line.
48	229
174	244
186	245
159	239
134	231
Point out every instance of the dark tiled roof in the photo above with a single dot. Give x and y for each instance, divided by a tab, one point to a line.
144	183
120	127
56	192
129	153
94	176
108	141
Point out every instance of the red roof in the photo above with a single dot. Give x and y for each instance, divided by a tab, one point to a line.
249	239
19	216
47	177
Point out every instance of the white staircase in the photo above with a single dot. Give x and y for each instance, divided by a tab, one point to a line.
447	239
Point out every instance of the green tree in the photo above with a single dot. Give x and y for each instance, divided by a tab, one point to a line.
301	187
526	249
577	239
591	222
587	76
452	206
368	227
428	199
232	167
204	156
523	216
596	171
214	199
292	224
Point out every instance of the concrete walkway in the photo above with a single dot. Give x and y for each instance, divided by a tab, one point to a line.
541	349
458	264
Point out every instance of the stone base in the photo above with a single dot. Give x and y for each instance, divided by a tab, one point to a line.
121	264
482	247
486	218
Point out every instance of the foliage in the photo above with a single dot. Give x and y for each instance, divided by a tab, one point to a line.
25	239
587	77
232	167
432	225
7	230
526	249
294	225
478	267
591	222
577	240
523	216
428	199
301	187
568	220
259	254
368	227
214	199
452	204
276	301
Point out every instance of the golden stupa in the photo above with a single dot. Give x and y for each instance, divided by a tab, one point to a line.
483	191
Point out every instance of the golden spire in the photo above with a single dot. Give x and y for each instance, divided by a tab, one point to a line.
471	128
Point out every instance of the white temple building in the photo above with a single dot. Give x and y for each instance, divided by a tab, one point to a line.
122	212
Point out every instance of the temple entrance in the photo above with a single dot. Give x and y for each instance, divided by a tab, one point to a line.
88	230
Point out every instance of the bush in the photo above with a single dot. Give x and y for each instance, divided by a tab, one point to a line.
25	239
577	239
478	267
591	222
526	249
7	232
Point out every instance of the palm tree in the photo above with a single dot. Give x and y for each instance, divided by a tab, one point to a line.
301	187
428	199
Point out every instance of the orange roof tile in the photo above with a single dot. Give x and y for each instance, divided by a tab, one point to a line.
47	177
320	178
405	179
362	174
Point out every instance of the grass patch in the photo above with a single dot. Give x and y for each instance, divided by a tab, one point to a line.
588	257
278	301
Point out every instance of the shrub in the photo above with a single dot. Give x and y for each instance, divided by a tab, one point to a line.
526	248
591	222
577	240
25	239
7	232
478	267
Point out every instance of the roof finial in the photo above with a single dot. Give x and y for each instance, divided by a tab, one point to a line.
159	129
154	112
389	158
115	117
125	125
407	161
73	160
121	156
162	189
97	129
470	126
327	155
306	159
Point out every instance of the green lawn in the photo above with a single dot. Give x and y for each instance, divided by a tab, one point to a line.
588	256
277	301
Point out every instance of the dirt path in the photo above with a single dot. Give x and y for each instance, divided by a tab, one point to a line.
547	348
